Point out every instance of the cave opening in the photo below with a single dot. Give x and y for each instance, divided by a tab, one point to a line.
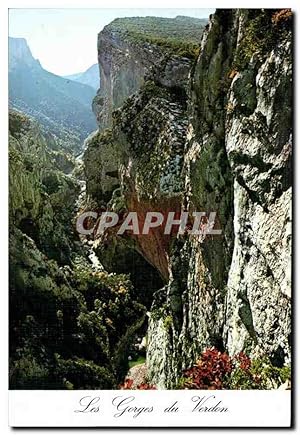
145	278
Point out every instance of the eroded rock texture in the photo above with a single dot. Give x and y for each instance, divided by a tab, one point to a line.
258	144
211	134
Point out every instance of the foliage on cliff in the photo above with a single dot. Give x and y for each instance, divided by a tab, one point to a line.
263	31
38	188
69	326
180	35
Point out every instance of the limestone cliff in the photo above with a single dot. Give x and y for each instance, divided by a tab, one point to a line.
209	133
259	146
134	49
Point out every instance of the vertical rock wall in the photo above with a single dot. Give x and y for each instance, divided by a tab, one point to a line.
213	136
234	292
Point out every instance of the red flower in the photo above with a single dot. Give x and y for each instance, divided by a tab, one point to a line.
209	371
244	361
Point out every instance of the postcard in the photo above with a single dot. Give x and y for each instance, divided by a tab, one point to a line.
150	208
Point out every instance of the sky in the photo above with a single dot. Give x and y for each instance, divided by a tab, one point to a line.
65	40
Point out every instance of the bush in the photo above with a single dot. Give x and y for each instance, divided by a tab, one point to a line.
82	374
209	371
127	385
177	36
216	370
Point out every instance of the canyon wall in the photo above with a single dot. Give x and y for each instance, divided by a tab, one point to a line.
206	130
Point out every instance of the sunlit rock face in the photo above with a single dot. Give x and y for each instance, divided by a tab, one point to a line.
211	133
259	145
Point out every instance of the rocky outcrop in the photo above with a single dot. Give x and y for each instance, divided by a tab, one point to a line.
214	136
136	164
258	144
130	49
139	164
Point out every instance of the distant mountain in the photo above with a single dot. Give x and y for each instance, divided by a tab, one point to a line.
62	106
89	77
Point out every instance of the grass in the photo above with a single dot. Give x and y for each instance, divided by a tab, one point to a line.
140	360
180	35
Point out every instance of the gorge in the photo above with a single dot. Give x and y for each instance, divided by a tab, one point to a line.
192	115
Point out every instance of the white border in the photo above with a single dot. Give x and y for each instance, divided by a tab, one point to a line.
4	5
270	408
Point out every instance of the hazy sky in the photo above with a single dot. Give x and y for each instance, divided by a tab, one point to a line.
65	40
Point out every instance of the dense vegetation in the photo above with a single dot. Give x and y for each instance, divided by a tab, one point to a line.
180	35
218	371
38	188
69	325
215	370
262	34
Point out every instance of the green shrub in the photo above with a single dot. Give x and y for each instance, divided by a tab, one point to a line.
80	374
263	31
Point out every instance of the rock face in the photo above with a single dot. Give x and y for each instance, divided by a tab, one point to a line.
130	50
140	157
211	135
258	144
